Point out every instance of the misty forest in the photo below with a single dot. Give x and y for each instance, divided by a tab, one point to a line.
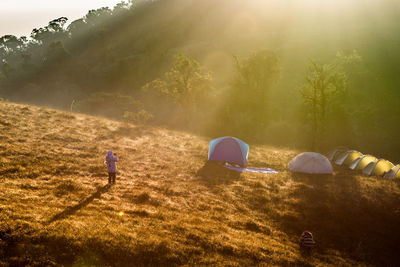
192	66
199	113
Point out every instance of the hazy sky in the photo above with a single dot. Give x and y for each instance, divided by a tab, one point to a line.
19	17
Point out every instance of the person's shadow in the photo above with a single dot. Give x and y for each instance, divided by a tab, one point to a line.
214	173
71	210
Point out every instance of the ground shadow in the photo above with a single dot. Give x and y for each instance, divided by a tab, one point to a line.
71	210
214	173
347	214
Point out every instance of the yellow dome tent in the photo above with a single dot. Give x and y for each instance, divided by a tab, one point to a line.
394	173
378	168
348	157
362	162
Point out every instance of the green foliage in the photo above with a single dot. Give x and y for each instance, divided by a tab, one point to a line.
248	106
55	51
182	92
326	86
57	25
54	31
98	16
10	44
185	84
121	7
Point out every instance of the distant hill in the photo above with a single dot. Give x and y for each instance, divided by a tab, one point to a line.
170	208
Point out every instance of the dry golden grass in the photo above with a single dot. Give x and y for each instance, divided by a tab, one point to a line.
169	207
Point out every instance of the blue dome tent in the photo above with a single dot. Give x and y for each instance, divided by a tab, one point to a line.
228	149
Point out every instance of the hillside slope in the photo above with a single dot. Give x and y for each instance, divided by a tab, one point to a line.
170	208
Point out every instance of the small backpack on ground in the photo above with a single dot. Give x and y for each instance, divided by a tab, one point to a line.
307	240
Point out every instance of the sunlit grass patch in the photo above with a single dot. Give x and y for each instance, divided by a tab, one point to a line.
170	208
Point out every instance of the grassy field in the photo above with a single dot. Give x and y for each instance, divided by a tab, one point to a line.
171	208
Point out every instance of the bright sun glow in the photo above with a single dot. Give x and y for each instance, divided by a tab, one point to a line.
38	13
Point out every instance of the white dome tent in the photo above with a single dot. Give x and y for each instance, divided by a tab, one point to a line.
312	163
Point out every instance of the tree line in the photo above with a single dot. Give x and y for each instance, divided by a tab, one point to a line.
116	63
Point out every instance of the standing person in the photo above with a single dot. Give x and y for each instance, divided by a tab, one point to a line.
111	158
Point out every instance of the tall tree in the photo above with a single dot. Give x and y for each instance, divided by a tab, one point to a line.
248	104
10	43
325	84
54	31
185	86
